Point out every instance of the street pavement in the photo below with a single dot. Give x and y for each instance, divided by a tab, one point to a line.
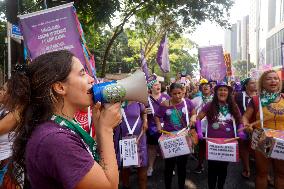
197	181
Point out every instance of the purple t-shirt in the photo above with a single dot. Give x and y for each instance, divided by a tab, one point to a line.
171	115
132	112
56	158
152	127
223	127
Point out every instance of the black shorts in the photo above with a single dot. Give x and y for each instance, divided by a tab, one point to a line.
152	139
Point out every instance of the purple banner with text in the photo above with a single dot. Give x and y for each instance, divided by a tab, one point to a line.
212	64
51	30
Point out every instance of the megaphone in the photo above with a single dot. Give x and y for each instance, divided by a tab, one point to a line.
132	88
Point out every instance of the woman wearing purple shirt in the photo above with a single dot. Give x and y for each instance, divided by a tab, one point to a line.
243	98
173	112
155	99
134	123
50	146
221	114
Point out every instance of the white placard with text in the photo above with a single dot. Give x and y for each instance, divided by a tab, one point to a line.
278	149
128	152
222	152
174	146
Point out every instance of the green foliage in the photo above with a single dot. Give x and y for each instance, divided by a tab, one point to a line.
116	44
180	16
241	68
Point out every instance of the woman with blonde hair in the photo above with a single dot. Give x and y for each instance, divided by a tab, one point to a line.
268	107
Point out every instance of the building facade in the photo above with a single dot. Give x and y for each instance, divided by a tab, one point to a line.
275	34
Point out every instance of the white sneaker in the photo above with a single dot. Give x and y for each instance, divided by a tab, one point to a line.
149	172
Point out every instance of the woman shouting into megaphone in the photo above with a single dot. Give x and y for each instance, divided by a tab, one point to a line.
50	146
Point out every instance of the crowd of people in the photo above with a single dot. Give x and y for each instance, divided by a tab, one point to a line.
51	138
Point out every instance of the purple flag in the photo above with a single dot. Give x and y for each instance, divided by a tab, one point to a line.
163	55
51	30
144	64
212	64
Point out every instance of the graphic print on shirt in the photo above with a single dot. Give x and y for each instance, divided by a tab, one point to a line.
223	122
174	117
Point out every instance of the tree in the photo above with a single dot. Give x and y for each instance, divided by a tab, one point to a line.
96	17
179	47
186	14
241	68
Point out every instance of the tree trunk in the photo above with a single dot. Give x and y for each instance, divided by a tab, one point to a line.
107	51
118	31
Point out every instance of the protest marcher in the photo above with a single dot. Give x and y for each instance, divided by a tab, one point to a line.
269	110
193	91
243	98
50	146
134	124
222	115
199	102
212	83
6	142
156	97
175	113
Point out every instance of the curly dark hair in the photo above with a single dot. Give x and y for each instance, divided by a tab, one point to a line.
30	92
213	109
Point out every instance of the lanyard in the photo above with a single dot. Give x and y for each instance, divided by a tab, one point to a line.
199	106
90	121
186	112
151	105
234	126
260	113
130	131
75	126
244	101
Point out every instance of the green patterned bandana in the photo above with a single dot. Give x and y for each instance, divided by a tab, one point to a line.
75	126
124	104
151	83
224	109
267	98
207	99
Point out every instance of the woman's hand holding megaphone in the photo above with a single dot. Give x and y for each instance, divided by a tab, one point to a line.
106	117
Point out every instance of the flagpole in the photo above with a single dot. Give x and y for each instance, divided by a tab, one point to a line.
9	49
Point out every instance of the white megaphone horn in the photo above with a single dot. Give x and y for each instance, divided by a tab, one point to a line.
132	88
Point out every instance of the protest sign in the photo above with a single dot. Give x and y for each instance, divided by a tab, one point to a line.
55	29
211	60
228	63
128	151
277	151
218	150
255	138
175	145
270	142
